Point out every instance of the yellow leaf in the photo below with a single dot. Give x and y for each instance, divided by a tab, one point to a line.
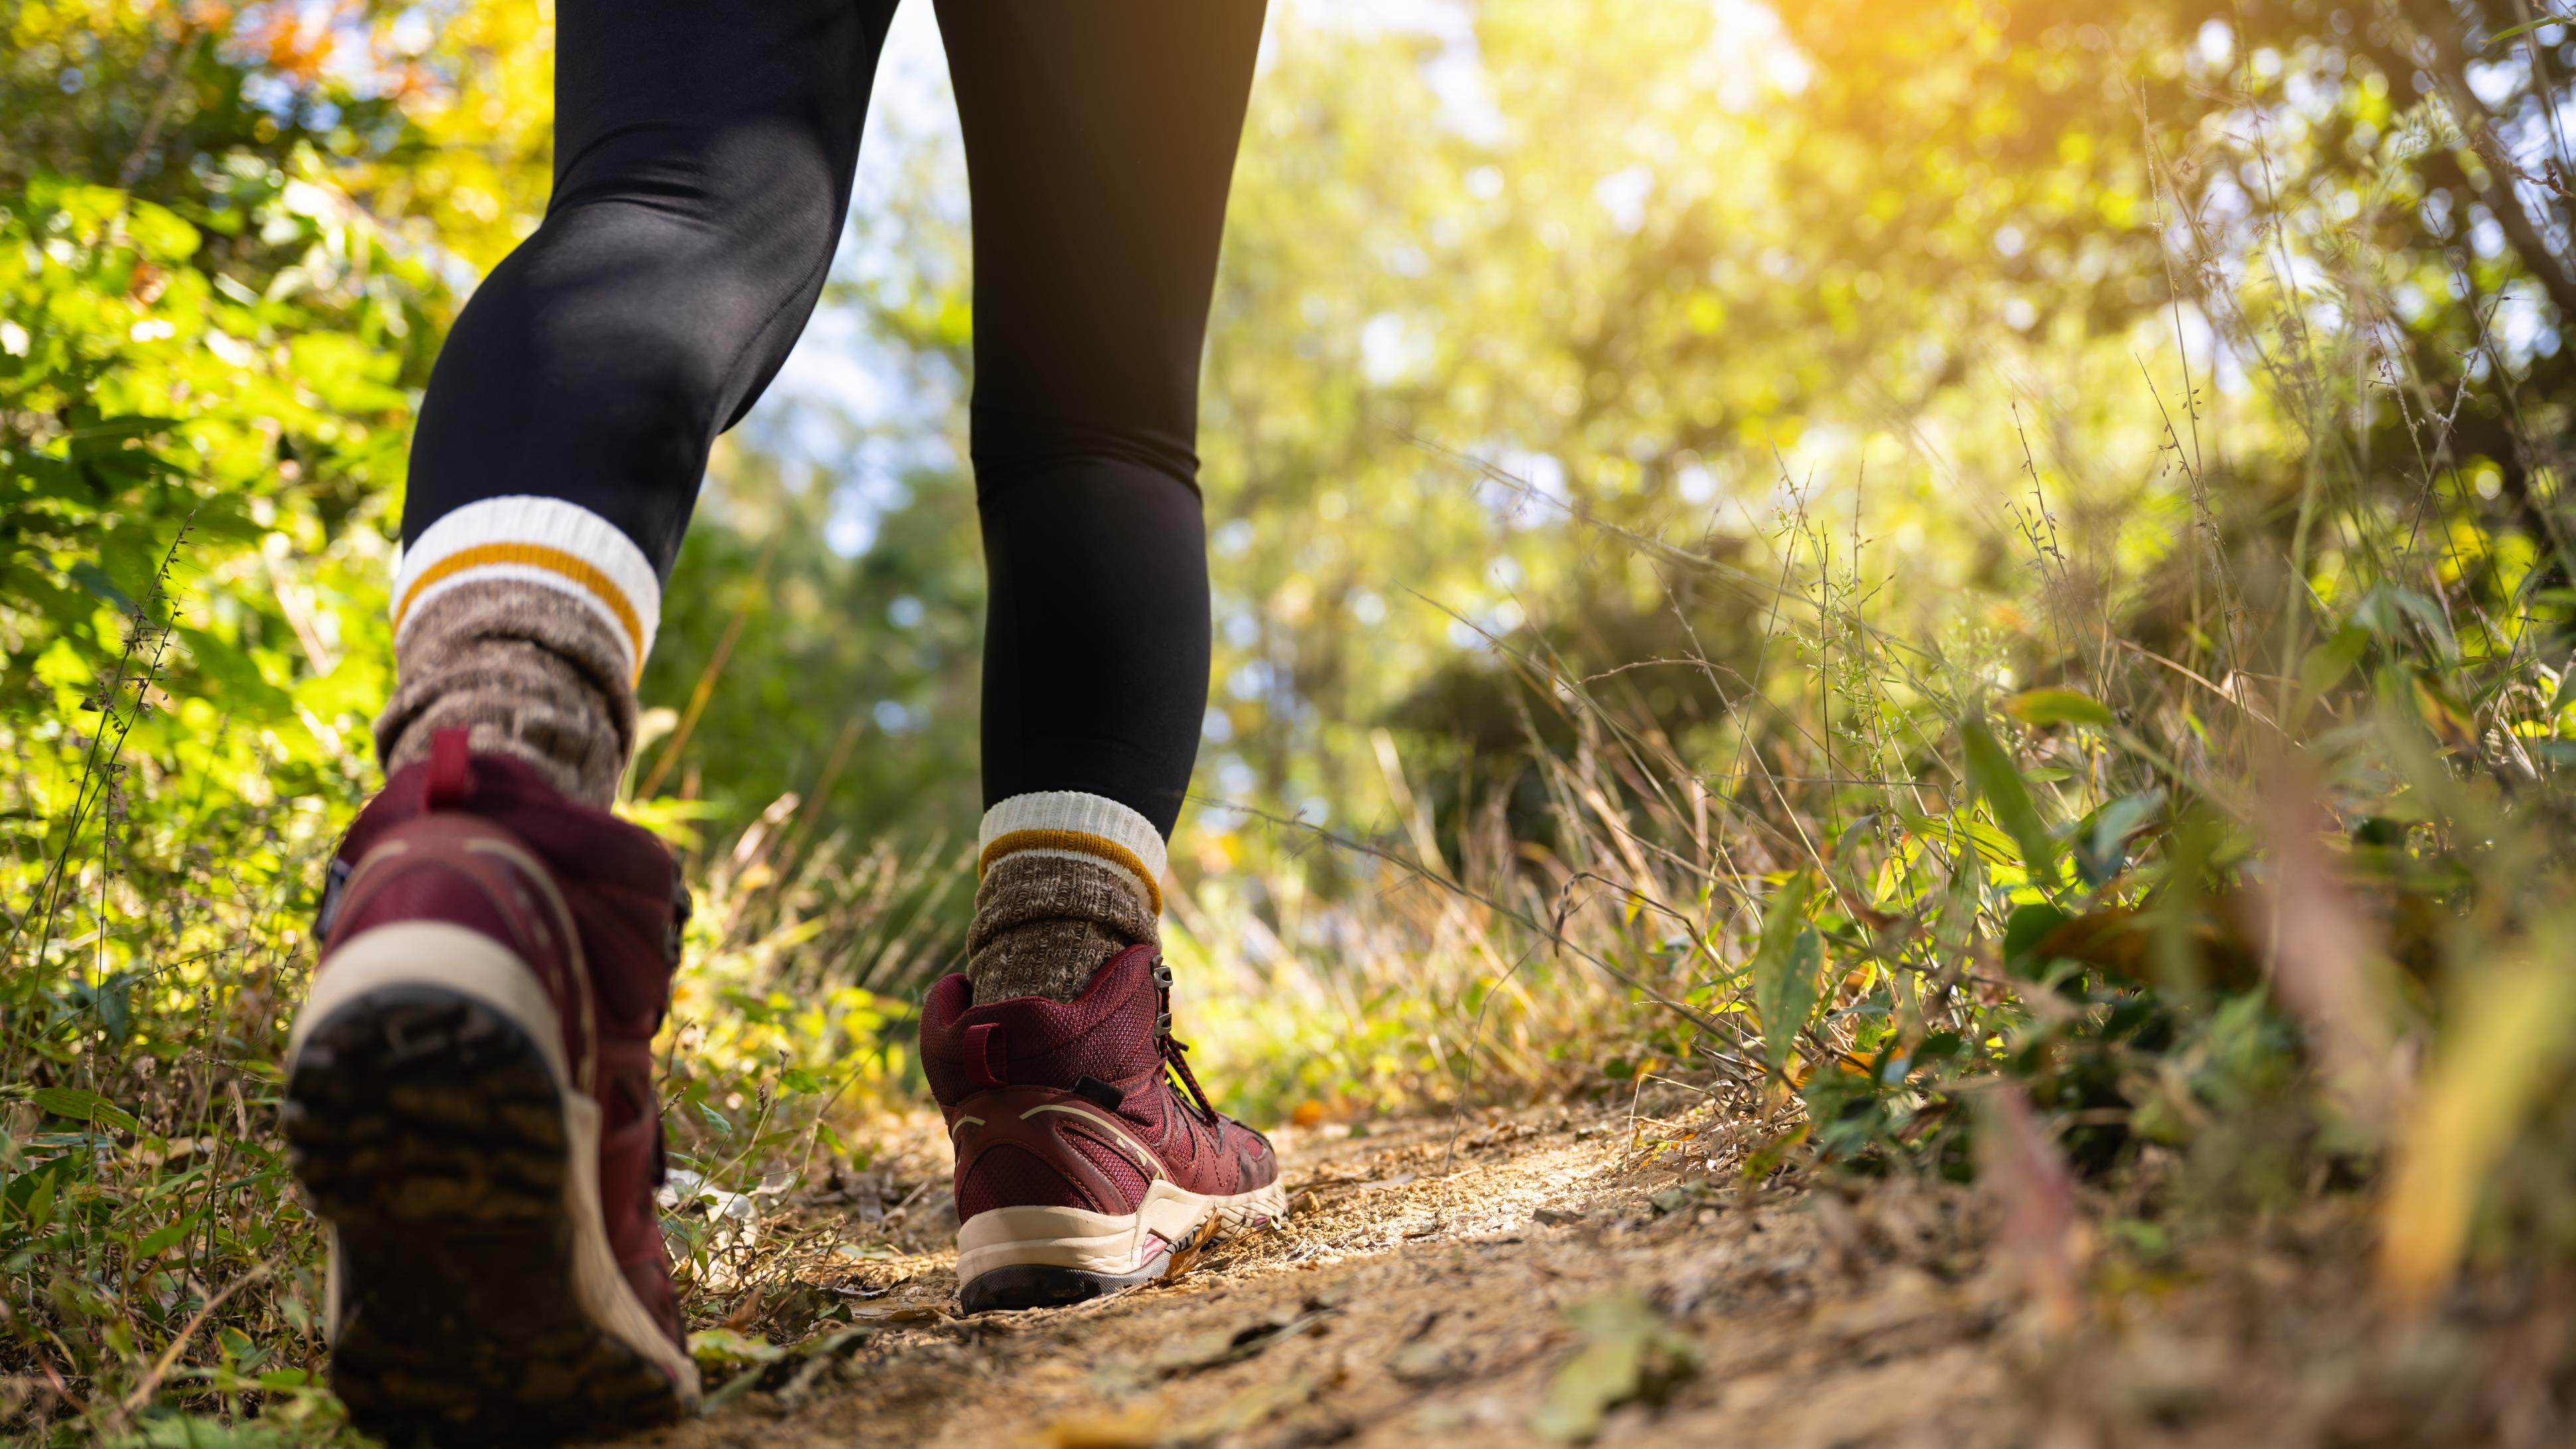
2517	1023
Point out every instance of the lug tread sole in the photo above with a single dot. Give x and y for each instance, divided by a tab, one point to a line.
428	1128
1046	1285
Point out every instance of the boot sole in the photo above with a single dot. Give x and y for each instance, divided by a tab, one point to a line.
473	1296
1045	1257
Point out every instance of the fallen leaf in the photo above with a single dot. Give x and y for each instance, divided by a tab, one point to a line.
898	1313
1137	1428
1427	1362
1252	1408
791	1370
1679	1196
1209	1350
718	1348
732	1389
1629	1354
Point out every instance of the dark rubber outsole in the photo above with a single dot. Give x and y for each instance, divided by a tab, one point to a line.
429	1130
1043	1285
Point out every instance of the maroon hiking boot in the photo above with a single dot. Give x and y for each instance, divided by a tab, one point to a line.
470	1108
1082	1167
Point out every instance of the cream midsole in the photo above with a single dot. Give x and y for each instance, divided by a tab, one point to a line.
1110	1243
453	958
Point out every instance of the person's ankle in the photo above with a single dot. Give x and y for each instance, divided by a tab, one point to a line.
1068	881
524	621
520	668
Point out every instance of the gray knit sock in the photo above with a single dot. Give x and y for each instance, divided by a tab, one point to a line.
530	671
1044	921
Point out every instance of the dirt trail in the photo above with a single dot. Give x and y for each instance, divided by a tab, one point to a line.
1571	1258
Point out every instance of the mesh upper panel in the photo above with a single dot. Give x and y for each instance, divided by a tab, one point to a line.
1117	1166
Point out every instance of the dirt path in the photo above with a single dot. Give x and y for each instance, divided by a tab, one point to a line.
1575	1273
1399	1306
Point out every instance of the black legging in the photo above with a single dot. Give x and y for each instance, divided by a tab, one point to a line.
703	160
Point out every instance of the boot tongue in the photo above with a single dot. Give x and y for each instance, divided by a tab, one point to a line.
1162	974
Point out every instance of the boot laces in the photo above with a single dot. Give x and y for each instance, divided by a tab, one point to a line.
1175	1052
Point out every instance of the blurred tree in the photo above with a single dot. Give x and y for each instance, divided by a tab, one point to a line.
1569	324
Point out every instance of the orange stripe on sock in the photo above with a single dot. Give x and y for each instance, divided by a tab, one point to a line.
535	555
1080	844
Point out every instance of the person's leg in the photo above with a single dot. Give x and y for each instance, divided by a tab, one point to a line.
1100	138
469	1102
1100	141
704	155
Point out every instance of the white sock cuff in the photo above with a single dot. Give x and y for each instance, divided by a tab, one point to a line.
544	541
1068	822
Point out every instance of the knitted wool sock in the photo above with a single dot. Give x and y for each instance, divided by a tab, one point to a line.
526	621
1069	880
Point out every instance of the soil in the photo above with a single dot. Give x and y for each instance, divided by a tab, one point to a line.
1557	1274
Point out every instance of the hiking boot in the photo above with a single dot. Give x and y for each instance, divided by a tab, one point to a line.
1083	1167
470	1108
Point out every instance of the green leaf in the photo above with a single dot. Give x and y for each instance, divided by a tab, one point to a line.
2329	663
40	1203
832	1142
2429	616
190	1431
2102	839
243	686
93	578
1964	830
69	610
2497	39
162	1239
718	1348
113	1001
2059	706
1785	967
1991	774
82	1106
2022	934
2386	608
